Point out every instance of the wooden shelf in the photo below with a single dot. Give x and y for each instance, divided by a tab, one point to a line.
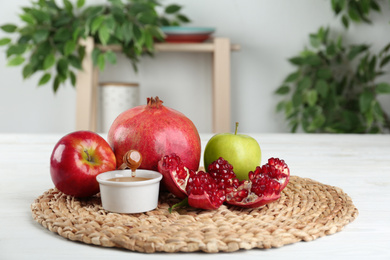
176	47
220	48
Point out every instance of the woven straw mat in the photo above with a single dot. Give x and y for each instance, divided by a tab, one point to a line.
305	211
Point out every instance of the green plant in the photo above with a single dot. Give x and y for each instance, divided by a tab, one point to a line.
335	87
354	11
49	39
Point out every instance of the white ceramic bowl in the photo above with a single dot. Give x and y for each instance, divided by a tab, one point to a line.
129	197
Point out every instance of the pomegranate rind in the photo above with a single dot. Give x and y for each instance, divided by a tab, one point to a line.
170	182
256	203
202	201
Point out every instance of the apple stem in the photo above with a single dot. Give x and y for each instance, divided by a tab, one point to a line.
235	132
88	155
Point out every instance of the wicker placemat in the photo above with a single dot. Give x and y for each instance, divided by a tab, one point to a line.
306	210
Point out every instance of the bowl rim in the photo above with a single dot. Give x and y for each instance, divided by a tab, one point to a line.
187	30
102	178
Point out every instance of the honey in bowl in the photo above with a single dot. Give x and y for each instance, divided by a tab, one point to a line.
129	179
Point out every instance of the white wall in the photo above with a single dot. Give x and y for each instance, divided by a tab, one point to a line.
269	32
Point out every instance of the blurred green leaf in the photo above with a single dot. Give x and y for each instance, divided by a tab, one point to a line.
313	60
324	73
304	84
104	34
16	61
147	17
56	83
127	30
322	88
94	10
374	5
294	125
50	60
62	35
80	3
110	57
292	77
323	34
149	42
163	21
356	50
137	33
384	61
76	34
70	47
75	62
101	62
288	108
40	35
364	6
118	3
317	122
314	40
61	21
369	116
28	18
331	49
9	28
378	112
311	97
62	68
44	79
4	41
110	23
97	21
365	100
72	78
280	106
81	52
68	6
345	21
297	60
16	49
183	18
282	90
40	16
28	70
156	32
173	8
337	5
95	54
297	99
24	39
382	88
353	14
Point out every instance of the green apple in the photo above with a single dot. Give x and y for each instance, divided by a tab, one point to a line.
241	151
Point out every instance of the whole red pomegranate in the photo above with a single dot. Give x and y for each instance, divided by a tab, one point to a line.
155	130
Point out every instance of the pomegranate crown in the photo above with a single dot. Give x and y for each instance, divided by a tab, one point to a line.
154	102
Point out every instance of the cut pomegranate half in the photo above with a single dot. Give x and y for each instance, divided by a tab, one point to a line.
203	191
264	185
175	175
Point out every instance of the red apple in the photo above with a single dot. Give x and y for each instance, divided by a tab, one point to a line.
77	159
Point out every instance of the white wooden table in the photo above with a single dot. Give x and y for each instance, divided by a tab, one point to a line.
359	164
